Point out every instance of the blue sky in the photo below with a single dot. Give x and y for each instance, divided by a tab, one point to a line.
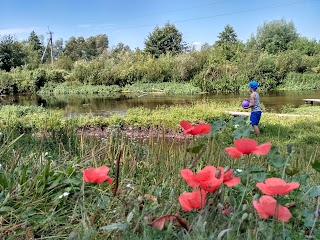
130	22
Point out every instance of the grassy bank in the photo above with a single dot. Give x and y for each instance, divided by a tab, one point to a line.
42	193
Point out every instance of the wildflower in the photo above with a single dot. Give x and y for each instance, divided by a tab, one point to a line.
247	146
193	200
194	130
97	175
267	206
227	177
275	186
205	178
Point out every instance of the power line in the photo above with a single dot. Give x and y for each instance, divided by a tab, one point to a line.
213	16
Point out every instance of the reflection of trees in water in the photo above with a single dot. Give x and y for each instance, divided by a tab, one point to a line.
103	105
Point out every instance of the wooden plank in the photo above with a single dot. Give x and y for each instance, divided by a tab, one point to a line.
247	114
308	100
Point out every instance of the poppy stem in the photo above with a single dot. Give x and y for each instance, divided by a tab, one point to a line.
198	157
115	190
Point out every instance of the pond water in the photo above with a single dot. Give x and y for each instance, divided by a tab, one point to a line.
120	103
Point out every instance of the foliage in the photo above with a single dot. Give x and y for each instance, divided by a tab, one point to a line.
276	36
43	193
167	39
11	53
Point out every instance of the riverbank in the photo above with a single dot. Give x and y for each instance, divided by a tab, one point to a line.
43	193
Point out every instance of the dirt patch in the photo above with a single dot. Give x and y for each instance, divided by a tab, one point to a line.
134	132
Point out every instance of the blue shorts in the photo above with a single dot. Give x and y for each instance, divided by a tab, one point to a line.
255	117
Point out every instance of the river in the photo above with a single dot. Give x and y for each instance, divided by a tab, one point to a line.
120	103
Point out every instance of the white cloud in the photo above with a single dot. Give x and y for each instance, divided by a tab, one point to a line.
7	31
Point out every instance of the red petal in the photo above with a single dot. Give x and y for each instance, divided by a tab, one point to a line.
184	202
185	125
269	204
89	175
292	185
263	149
264	188
283	214
233	152
232	182
262	214
212	184
189	177
201	129
198	198
245	145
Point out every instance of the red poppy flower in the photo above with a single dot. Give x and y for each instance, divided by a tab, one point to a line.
195	130
267	206
205	178
276	186
247	146
193	200
227	177
97	175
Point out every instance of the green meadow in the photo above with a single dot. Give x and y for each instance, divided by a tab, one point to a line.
43	154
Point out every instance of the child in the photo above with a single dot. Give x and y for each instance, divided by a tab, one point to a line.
255	106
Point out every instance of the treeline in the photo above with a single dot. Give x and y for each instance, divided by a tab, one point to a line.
276	56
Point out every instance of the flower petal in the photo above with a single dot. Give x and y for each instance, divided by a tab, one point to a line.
232	182
189	177
185	125
201	129
264	189
245	145
89	175
292	185
184	201
263	149
233	152
284	214
259	208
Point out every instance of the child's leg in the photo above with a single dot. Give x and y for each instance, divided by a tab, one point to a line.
256	129
254	121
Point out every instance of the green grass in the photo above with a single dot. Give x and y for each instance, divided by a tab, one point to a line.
42	194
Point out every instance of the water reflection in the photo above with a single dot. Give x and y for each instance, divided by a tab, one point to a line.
120	103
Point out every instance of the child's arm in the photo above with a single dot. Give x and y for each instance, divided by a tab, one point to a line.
252	100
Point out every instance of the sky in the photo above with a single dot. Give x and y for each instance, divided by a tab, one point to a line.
130	22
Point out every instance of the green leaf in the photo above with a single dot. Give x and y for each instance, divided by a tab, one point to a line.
314	192
196	149
291	171
115	226
277	161
316	166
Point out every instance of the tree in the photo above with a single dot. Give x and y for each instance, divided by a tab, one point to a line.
276	36
74	48
57	48
228	42
34	50
228	35
306	46
167	39
11	53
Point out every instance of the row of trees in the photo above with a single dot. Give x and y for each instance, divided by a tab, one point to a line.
268	56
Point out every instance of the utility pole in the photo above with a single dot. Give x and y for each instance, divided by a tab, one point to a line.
50	43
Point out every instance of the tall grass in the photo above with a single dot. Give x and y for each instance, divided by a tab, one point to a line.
42	194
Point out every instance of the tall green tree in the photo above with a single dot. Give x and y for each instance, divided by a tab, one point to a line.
11	53
276	36
167	39
34	50
228	42
228	35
